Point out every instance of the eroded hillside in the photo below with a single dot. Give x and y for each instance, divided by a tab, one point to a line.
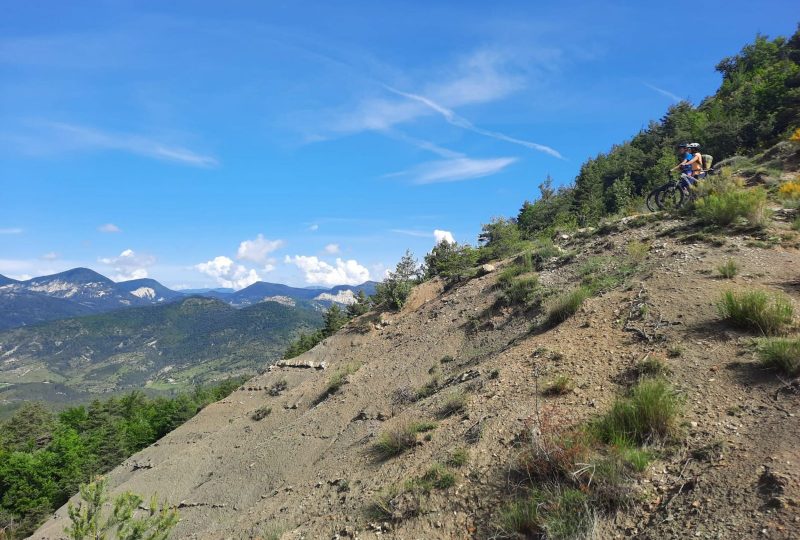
476	371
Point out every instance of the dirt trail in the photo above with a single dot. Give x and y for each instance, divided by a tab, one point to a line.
307	467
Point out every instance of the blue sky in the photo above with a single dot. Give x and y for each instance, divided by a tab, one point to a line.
311	143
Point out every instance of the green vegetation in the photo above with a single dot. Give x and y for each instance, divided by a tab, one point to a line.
566	304
45	457
277	387
728	207
394	290
781	353
399	439
333	320
756	310
339	377
559	386
729	269
437	477
652	367
167	348
451	261
455	403
261	413
649	413
458	458
127	520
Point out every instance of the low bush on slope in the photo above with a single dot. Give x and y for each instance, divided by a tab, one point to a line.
766	313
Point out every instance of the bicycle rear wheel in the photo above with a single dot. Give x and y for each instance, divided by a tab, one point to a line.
652	200
671	198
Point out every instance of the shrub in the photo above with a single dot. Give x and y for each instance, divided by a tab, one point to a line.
757	310
559	386
550	452
277	387
790	190
455	403
437	477
781	353
650	412
566	305
560	514
674	351
450	260
340	377
500	239
399	439
394	290
796	224
728	207
430	388
89	522
652	367
637	251
261	413
729	269
458	458
522	291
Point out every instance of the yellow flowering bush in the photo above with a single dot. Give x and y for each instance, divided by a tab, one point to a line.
795	136
790	190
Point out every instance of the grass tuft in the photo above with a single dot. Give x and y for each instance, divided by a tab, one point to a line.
650	412
566	305
458	458
652	367
781	353
261	413
757	310
455	403
559	386
394	442
729	269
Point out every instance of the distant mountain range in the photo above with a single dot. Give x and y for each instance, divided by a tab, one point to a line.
82	291
161	348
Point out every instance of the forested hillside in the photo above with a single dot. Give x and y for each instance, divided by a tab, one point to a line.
757	105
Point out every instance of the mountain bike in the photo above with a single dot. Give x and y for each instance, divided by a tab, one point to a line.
670	195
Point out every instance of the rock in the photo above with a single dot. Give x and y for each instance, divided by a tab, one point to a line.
487	269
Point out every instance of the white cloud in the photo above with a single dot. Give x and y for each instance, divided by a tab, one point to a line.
333	249
228	273
455	170
11	230
49	137
256	250
313	227
109	228
316	271
443	236
50	256
129	265
20	277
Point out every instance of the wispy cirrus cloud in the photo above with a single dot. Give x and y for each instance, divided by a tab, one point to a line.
663	92
454	170
12	230
459	121
42	138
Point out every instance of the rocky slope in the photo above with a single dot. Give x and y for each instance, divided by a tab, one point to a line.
308	469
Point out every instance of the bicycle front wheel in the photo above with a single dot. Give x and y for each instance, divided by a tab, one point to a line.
671	198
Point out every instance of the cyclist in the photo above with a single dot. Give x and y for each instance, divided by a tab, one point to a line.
686	167
697	162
